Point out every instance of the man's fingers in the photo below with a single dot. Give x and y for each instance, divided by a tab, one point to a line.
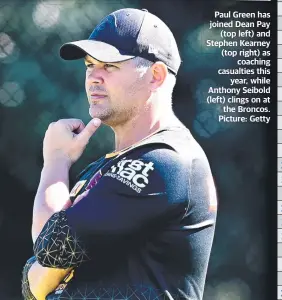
72	124
79	129
84	136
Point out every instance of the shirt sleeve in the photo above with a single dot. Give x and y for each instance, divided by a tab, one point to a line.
57	246
139	192
199	224
26	292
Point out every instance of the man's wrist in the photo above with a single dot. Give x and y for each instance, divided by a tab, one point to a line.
58	161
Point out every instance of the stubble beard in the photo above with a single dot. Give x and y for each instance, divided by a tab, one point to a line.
104	115
115	115
112	116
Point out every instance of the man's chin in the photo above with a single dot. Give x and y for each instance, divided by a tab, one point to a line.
94	113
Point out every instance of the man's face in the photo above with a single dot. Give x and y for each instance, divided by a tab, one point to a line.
116	92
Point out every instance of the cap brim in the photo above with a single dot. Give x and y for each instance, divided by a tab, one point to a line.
99	50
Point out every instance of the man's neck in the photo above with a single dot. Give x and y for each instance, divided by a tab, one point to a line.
139	128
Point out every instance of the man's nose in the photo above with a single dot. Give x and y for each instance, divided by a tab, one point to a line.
95	77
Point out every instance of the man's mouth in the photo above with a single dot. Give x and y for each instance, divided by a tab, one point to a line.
97	96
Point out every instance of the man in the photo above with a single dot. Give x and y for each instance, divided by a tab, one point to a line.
139	223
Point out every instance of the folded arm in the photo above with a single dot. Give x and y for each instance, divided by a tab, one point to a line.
52	196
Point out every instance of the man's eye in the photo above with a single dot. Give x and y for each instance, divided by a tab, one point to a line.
89	65
110	66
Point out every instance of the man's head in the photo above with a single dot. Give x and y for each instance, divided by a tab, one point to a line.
119	91
130	56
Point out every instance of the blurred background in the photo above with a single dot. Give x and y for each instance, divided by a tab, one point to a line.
37	88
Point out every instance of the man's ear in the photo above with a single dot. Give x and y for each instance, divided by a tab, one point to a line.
159	74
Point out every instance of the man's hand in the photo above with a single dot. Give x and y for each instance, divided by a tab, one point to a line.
43	281
66	139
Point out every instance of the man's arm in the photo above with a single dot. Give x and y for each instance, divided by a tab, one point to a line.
52	196
62	147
